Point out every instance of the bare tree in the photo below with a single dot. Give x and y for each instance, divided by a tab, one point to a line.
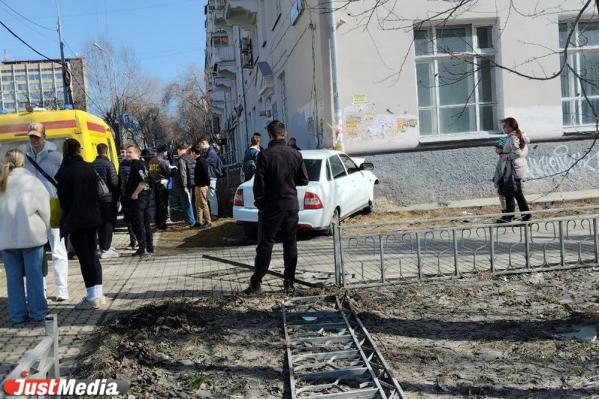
115	81
190	104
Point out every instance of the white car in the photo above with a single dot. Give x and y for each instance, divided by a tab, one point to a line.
339	187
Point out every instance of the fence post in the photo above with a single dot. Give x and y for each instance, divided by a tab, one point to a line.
526	245
596	240
419	260
336	253
492	249
52	331
562	245
455	254
382	253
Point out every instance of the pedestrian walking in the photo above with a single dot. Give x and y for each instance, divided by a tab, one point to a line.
43	160
106	171
24	224
514	170
124	171
78	195
202	184
160	173
293	144
215	170
250	156
279	169
184	180
139	194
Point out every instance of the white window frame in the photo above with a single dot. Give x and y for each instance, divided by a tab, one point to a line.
576	101
476	54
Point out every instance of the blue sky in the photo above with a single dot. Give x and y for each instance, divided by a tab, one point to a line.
166	35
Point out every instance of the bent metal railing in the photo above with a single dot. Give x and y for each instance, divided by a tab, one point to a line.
381	254
42	361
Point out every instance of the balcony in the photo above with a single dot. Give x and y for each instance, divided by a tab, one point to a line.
223	54
241	13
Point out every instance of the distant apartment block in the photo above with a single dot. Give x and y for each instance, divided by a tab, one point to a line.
39	83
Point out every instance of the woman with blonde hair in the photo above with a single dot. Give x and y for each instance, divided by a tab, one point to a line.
24	223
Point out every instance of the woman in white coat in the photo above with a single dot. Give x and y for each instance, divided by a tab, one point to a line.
24	222
515	169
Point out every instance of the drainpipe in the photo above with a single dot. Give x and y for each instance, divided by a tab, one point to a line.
245	112
337	132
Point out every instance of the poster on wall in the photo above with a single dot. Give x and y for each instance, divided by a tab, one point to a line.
366	130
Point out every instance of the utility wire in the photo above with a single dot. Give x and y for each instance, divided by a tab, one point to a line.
24	17
51	60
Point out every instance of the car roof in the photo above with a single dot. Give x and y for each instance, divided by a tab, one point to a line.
318	154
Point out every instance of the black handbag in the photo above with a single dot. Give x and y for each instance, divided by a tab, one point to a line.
507	185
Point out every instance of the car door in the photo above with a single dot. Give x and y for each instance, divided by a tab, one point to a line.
360	195
343	189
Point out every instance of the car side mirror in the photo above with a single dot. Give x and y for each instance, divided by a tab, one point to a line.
367	166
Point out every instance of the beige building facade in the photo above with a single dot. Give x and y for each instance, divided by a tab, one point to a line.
415	81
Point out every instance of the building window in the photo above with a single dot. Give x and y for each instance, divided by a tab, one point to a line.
583	57
455	74
22	86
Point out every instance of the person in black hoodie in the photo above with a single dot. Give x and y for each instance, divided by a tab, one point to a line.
279	169
139	196
78	196
107	172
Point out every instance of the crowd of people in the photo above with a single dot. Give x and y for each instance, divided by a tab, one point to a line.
55	199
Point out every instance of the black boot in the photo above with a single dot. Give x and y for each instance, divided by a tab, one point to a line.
288	287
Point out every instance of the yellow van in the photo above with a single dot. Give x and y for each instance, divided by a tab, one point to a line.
86	128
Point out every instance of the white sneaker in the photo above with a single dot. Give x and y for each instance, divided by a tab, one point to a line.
109	253
97	303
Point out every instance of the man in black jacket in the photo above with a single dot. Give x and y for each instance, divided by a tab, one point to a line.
107	172
160	172
279	169
139	193
202	184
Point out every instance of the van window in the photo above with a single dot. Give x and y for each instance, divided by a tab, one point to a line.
22	145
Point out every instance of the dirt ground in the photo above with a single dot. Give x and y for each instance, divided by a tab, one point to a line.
489	337
229	348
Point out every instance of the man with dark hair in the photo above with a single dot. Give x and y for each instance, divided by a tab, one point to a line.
139	195
279	168
124	172
106	171
160	172
201	183
184	179
215	170
250	156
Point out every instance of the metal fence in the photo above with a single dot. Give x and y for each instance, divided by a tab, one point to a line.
455	247
42	361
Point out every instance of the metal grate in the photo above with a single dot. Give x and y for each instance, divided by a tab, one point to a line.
331	355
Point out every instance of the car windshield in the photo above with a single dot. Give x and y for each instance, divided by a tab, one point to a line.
313	168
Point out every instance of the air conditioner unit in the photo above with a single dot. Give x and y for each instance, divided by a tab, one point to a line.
267	113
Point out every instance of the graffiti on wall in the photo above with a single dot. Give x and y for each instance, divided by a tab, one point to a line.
560	159
363	123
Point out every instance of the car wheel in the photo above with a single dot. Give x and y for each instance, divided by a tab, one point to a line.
334	221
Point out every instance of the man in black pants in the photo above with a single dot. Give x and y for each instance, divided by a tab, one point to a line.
160	172
279	169
138	190
107	172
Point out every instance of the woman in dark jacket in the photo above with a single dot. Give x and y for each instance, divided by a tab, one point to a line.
78	195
